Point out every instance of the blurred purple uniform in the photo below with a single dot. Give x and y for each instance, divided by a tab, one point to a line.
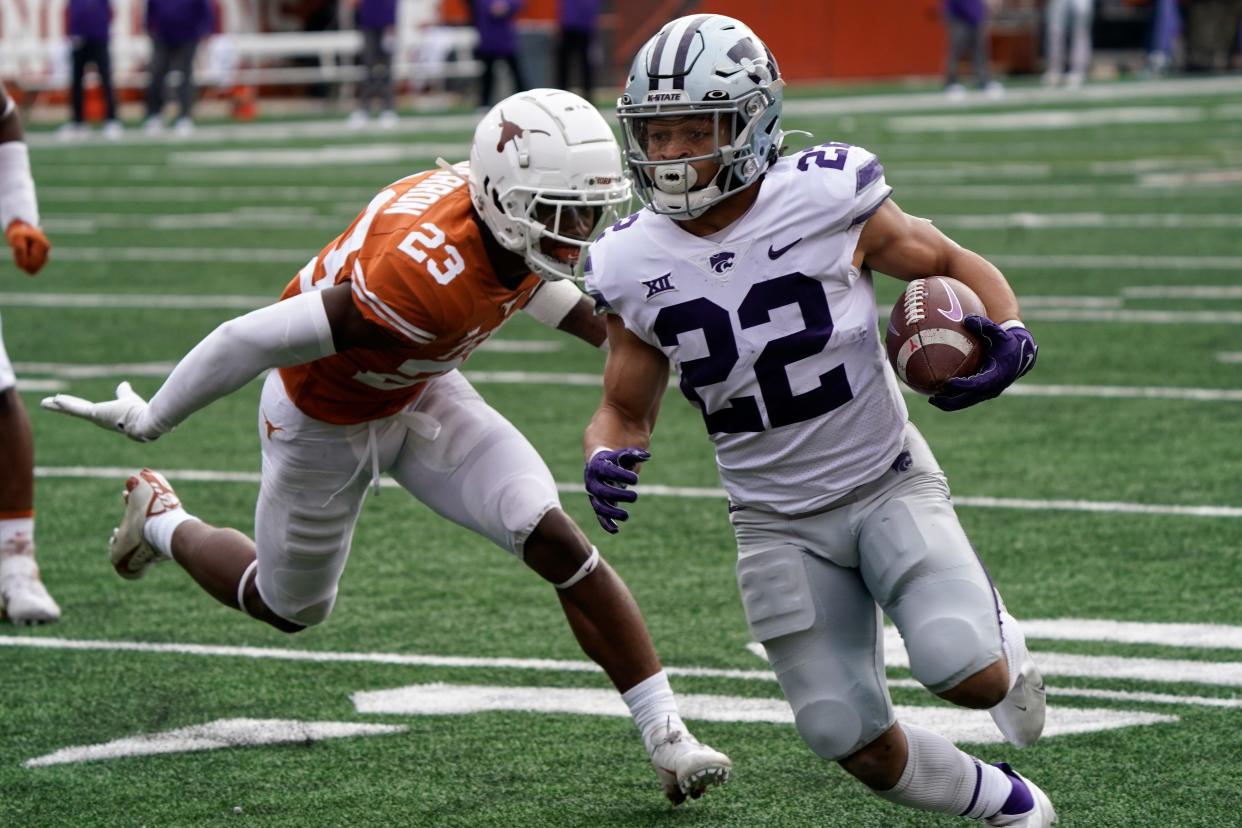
89	25
376	14
90	19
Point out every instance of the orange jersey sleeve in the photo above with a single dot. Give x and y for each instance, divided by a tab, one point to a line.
417	267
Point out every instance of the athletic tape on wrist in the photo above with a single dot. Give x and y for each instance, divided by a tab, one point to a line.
553	302
1012	323
586	569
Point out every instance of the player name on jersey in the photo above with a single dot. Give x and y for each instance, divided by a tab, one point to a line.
424	194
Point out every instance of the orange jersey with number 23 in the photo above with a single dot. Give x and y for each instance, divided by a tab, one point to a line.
417	267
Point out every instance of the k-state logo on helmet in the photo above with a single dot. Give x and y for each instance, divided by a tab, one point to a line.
722	262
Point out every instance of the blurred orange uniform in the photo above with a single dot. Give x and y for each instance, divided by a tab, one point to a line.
416	263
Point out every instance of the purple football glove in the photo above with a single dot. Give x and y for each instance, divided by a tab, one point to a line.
1009	354
606	475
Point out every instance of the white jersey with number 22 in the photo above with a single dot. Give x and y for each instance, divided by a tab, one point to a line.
772	329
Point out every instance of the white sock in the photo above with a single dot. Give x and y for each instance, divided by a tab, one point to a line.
158	530
654	708
17	535
939	777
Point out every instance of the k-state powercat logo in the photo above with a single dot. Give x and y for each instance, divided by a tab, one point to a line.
722	262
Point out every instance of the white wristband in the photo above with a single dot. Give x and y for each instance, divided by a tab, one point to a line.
553	301
1012	323
17	190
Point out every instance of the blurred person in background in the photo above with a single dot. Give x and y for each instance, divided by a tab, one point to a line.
376	20
1211	33
175	27
577	20
495	22
23	598
1074	15
967	24
89	24
1166	27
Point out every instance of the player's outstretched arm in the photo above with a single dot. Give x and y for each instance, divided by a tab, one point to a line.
291	332
616	439
19	210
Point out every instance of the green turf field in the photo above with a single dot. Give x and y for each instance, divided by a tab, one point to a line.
1104	488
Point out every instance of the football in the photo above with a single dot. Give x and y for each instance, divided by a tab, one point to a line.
927	342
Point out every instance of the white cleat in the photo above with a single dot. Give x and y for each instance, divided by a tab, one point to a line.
23	597
1020	715
147	494
687	767
1041	815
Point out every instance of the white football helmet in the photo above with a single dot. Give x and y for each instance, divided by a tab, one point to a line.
702	65
545	172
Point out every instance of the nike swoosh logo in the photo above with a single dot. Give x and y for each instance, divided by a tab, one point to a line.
953	313
776	253
1021	707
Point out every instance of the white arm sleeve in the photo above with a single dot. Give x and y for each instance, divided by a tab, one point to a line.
17	189
291	332
553	301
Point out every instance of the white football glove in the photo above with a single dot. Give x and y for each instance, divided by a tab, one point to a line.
124	414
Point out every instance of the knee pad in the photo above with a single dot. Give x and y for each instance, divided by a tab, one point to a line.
956	636
520	502
831	728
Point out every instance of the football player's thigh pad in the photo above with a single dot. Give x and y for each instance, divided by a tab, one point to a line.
922	570
821	631
479	471
309	501
7	378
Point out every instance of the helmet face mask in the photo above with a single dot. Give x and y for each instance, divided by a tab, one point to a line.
718	69
545	176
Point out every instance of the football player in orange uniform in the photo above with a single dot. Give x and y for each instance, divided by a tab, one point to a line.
367	339
23	598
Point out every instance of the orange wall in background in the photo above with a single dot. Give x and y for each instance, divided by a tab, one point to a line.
811	39
838	39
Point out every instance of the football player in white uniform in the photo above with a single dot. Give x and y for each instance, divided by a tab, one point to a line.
23	597
750	273
367	339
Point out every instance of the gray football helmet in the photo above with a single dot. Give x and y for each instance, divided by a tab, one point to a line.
702	65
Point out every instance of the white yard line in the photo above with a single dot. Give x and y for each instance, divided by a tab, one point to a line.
1182	292
588	380
657	490
1216	673
1130	317
1144	191
1110	262
223	733
187	194
327	156
956	724
1092	220
134	300
1048	119
1230	357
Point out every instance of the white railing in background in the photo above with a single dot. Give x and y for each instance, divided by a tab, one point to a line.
34	48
